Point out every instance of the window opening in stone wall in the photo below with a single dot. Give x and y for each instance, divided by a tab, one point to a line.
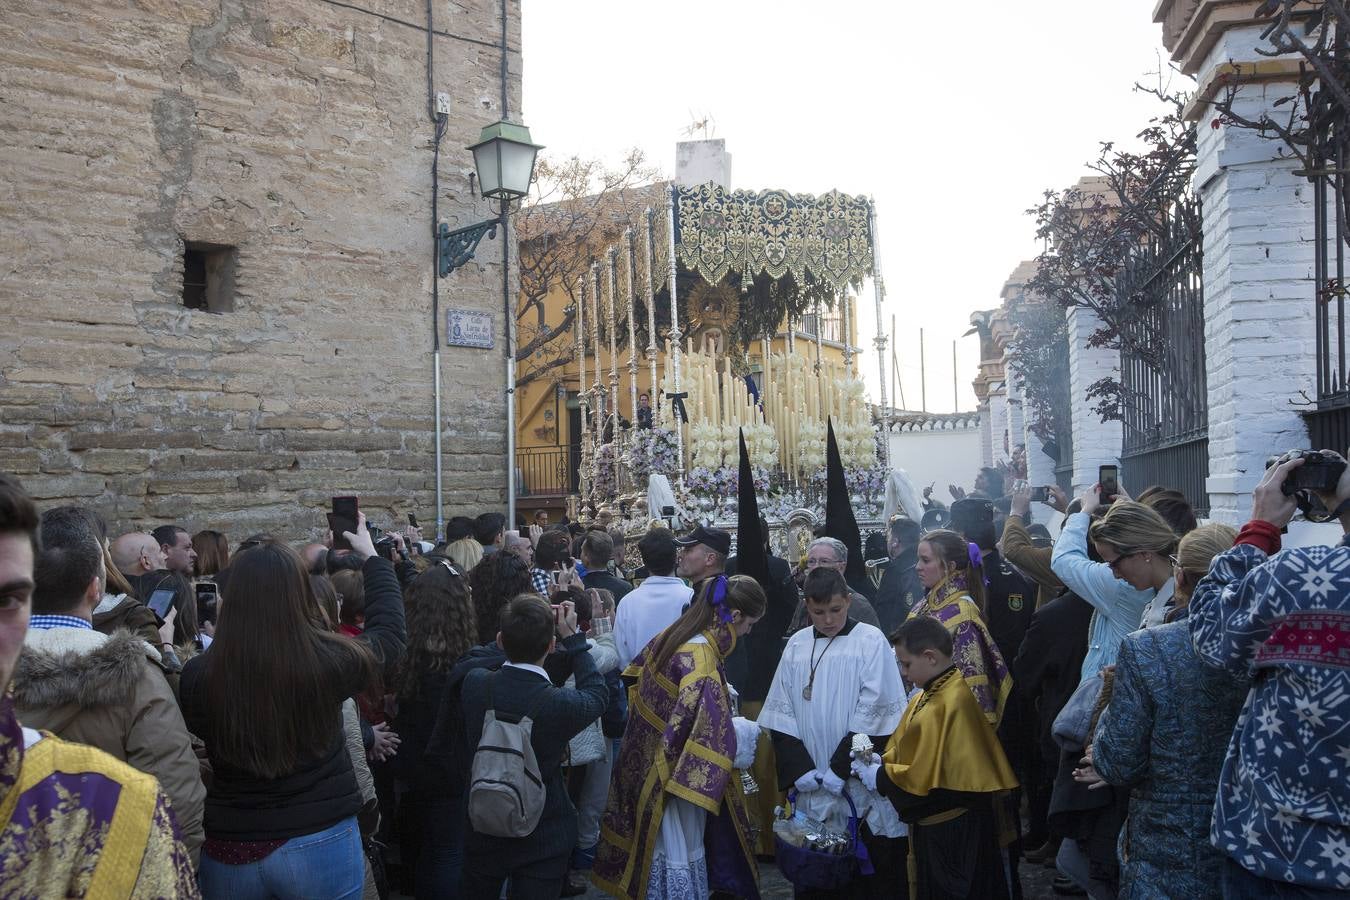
208	276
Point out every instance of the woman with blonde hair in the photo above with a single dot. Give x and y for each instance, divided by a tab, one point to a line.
1194	554
1164	736
951	570
1137	543
465	553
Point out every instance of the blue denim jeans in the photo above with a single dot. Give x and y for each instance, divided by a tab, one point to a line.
326	865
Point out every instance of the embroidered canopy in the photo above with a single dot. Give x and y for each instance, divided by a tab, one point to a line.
826	239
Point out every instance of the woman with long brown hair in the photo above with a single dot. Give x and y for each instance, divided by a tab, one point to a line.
495	581
951	571
213	552
441	629
267	699
672	809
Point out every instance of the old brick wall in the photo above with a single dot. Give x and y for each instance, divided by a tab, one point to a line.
298	131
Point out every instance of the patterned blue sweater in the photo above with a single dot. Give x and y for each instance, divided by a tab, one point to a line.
1283	806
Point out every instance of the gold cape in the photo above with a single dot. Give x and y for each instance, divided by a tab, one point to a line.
945	742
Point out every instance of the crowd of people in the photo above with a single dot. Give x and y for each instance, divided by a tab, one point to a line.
1152	706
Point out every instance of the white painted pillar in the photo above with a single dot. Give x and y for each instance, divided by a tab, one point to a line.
998	415
1260	334
1095	443
986	435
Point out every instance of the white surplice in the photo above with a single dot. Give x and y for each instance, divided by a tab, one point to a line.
856	689
679	867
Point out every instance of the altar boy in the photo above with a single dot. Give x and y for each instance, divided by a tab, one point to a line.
945	773
837	679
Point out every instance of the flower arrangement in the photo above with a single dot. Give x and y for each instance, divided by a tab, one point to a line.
606	478
652	450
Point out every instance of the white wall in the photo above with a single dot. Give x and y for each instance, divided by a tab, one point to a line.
938	457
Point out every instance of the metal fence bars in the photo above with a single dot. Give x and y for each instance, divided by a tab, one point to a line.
1329	130
545	472
1164	403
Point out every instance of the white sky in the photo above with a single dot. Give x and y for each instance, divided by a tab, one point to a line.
955	124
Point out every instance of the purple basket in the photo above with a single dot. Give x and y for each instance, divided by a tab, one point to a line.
813	870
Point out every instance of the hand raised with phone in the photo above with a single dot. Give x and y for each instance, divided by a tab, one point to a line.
565	618
362	545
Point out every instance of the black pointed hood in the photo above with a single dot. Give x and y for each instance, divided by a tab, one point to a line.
840	523
750	556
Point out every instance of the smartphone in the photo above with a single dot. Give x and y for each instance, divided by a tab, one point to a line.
557	613
412	521
1109	479
207	597
160	601
1040	494
342	519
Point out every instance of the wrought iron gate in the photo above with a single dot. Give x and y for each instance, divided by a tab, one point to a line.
1328	123
1164	403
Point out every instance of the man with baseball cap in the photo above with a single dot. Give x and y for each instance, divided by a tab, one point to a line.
702	554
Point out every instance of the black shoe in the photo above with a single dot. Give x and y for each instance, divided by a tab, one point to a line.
1066	887
574	885
1046	851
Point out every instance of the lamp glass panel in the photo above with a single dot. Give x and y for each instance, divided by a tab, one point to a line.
487	160
517	161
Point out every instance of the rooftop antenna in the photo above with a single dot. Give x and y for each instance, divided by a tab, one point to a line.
706	124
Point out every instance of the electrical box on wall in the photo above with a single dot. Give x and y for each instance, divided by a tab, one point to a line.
443	104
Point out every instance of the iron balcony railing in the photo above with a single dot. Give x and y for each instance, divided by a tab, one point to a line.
545	472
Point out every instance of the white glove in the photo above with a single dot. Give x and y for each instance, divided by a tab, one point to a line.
747	738
808	782
866	773
831	782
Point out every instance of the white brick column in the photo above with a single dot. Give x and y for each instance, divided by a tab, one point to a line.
998	422
1259	330
1095	443
1016	414
986	435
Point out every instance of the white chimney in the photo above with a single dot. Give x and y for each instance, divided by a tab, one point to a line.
698	162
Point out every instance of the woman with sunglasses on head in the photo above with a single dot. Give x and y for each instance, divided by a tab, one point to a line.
441	628
949	569
1165	735
1118	606
267	699
1137	544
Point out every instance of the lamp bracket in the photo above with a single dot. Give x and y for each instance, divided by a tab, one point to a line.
455	248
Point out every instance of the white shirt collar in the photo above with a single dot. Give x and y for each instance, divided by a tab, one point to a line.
529	667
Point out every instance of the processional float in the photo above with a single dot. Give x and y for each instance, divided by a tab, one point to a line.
724	275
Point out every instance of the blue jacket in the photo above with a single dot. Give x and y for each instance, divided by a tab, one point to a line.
1117	606
1164	735
1283	809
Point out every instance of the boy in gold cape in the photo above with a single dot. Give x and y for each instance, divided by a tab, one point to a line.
945	773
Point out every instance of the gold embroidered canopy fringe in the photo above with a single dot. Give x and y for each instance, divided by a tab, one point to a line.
774	232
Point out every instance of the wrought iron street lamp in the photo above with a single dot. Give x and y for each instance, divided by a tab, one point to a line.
504	159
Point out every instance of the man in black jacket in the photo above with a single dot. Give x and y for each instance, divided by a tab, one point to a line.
1046	672
597	549
537	863
900	587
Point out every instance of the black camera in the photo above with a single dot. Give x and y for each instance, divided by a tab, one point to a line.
1321	472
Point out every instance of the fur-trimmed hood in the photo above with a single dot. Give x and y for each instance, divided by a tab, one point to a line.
79	667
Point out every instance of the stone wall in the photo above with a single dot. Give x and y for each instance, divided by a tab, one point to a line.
297	131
